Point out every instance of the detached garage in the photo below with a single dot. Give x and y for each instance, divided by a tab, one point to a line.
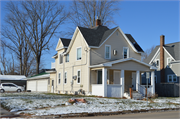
38	83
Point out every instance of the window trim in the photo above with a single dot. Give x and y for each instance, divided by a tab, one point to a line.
98	76
60	54
77	54
109	51
127	52
77	76
156	63
168	66
59	78
65	76
68	57
171	77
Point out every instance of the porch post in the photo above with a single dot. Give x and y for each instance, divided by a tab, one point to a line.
137	80
122	83
152	83
104	81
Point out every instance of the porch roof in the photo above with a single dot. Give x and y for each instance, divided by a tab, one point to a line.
109	64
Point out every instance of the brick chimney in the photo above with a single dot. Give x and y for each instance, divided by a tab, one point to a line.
98	22
162	59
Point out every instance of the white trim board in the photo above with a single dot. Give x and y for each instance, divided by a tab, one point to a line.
156	54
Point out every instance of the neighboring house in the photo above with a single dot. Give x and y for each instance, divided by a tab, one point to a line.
39	82
19	80
166	57
100	61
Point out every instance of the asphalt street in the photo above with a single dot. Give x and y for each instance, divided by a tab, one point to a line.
148	115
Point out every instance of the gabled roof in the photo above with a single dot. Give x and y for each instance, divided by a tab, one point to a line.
96	36
93	36
172	48
65	41
136	45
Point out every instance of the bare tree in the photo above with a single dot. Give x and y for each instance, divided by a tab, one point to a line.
8	64
40	19
85	12
147	52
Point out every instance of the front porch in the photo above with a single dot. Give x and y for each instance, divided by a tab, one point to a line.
113	81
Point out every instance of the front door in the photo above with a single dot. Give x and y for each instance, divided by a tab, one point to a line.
52	87
134	81
117	77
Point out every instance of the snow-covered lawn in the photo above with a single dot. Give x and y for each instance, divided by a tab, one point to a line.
47	104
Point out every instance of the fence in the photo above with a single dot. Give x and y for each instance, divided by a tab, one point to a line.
167	89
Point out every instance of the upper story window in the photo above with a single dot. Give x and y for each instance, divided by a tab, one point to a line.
168	62
172	78
59	78
157	62
79	53
125	52
60	58
107	52
65	77
78	76
67	58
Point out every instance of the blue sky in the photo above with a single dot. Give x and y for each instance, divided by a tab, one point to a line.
144	20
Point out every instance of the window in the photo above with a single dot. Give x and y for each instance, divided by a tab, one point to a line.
168	62
99	77
11	85
67	58
157	62
79	53
172	78
78	76
59	78
65	77
107	52
60	58
125	52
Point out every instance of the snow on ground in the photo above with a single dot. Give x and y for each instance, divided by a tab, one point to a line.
47	104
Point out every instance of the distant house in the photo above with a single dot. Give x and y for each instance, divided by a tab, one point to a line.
166	57
100	61
19	80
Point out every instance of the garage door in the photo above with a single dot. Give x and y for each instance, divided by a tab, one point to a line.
31	85
42	85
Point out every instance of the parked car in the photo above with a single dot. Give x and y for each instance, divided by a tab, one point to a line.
10	87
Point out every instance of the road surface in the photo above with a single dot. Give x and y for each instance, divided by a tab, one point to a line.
148	115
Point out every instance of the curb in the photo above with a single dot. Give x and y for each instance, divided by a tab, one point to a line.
86	114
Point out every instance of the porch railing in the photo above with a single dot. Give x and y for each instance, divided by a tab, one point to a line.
142	90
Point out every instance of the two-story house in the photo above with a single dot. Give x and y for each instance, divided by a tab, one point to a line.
166	57
100	61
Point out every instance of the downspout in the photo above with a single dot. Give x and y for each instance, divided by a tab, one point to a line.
89	70
63	75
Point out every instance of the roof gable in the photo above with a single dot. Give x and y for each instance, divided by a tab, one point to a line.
63	43
96	36
172	49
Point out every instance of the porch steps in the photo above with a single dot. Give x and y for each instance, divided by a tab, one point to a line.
136	95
